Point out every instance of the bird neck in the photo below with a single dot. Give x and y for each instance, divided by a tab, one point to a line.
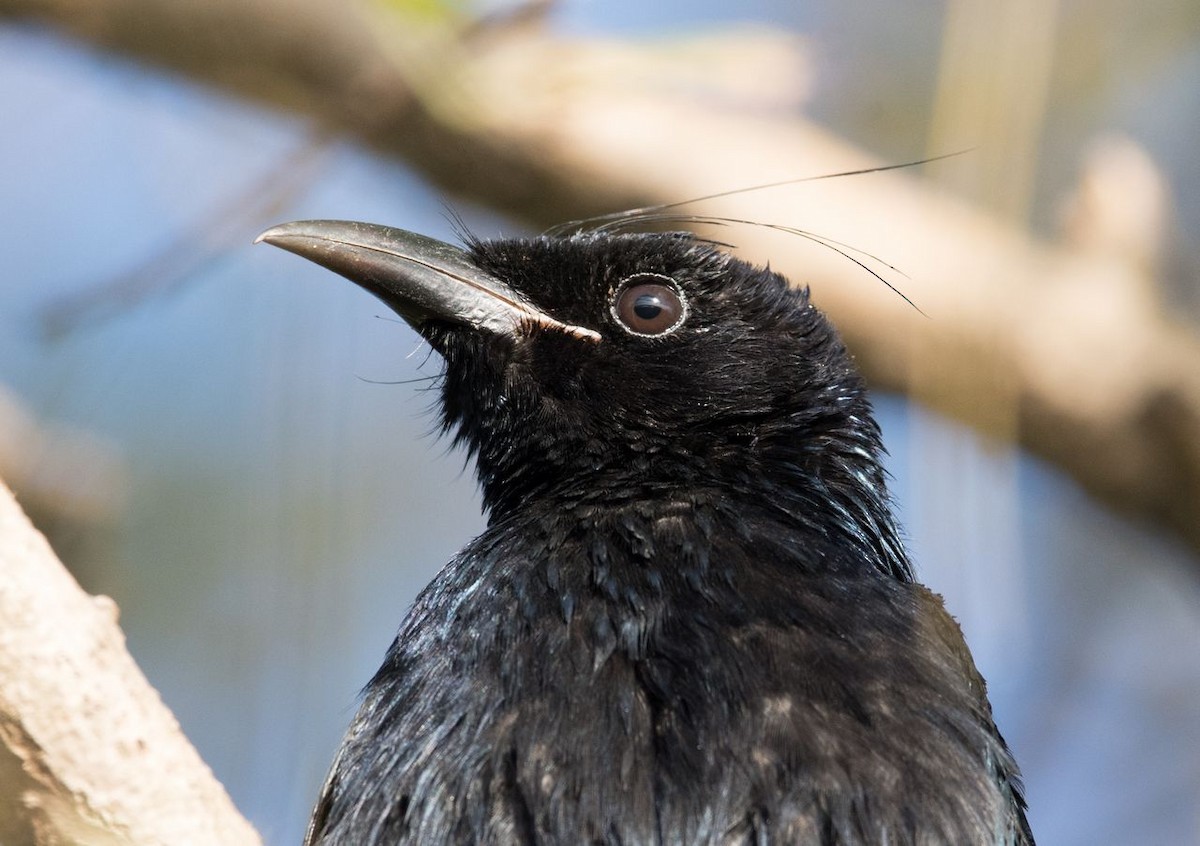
825	483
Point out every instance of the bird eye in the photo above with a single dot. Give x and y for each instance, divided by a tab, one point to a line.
649	304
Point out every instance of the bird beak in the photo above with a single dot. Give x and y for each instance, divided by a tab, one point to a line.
419	278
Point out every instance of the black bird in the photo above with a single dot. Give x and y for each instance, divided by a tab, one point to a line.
691	619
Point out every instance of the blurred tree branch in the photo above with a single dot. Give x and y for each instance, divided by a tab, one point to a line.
61	471
1107	386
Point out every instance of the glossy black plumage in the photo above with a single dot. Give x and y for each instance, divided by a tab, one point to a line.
691	619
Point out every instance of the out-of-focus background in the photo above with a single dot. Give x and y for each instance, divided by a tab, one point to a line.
224	439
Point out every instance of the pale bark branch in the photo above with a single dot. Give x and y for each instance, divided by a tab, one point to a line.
1064	350
88	752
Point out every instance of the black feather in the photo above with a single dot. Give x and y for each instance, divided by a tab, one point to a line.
691	619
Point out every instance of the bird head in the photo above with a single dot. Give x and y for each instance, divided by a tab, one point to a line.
634	365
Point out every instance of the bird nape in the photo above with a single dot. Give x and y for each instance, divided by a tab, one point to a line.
691	619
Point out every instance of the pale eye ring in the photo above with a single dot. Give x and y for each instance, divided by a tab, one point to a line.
649	304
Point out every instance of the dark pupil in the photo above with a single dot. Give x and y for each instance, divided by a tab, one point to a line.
647	306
